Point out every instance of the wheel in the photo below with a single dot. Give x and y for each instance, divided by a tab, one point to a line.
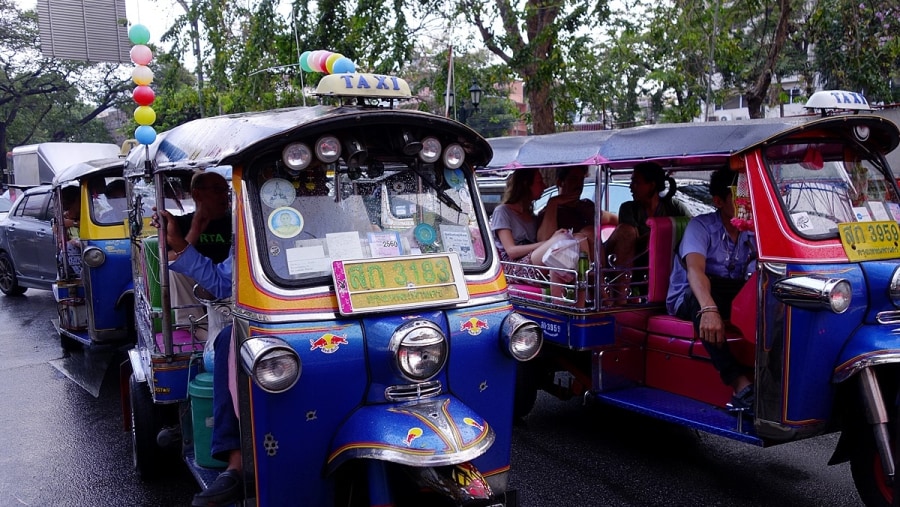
9	284
149	459
526	389
865	466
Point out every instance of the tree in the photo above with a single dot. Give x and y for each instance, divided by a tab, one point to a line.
857	46
43	99
534	43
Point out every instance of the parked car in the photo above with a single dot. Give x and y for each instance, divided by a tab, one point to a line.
27	247
5	205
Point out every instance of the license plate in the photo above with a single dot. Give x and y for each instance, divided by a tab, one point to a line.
865	241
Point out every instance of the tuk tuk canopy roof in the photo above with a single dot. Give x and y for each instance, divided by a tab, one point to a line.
220	140
91	167
672	144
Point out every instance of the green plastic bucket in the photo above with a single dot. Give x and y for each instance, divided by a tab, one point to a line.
201	391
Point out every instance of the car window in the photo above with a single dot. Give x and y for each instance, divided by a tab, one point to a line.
5	204
34	206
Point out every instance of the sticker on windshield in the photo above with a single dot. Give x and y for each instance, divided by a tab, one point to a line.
454	178
285	222
802	222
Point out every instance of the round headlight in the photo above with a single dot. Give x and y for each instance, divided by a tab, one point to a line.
839	296
431	150
271	363
523	337
420	350
328	149
296	156
894	288
454	156
93	257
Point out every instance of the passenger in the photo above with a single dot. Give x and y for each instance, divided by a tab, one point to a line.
627	246
115	199
209	231
568	210
713	262
515	227
228	487
70	199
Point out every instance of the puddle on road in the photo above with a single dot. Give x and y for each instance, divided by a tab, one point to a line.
86	369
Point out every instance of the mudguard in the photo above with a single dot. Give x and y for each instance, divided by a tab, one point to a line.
870	345
433	432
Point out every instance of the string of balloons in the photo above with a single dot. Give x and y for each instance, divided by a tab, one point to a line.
142	76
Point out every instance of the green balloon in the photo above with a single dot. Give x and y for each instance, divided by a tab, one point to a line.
138	34
304	61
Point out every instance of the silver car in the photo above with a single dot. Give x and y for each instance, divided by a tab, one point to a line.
27	247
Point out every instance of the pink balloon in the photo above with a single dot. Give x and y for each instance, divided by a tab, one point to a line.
311	60
141	54
320	62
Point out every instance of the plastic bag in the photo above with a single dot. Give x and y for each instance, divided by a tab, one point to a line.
563	254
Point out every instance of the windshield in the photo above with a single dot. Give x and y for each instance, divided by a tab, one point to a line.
312	217
824	184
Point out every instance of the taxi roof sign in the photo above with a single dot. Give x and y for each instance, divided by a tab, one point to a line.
838	100
364	85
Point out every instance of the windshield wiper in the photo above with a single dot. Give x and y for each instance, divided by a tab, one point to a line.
441	195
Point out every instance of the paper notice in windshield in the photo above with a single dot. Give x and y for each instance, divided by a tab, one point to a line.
870	240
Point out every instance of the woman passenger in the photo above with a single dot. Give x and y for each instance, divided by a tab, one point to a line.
515	226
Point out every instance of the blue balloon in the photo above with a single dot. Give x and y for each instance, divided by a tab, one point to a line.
145	134
343	65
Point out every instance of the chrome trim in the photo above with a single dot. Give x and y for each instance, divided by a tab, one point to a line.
894	288
413	392
777	268
851	369
889	317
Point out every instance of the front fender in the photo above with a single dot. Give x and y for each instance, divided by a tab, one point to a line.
870	345
433	432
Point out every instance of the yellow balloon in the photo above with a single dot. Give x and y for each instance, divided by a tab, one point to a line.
329	62
142	75
144	115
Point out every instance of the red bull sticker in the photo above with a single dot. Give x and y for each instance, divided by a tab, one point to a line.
328	343
413	434
473	326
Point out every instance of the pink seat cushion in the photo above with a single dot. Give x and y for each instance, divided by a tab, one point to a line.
181	342
526	291
665	235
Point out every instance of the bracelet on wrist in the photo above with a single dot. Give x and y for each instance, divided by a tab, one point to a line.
708	309
178	253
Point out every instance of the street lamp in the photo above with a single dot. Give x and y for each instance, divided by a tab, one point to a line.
475	93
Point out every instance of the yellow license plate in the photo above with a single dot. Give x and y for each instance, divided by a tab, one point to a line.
865	241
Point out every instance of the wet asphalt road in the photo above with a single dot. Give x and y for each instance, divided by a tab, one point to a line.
62	446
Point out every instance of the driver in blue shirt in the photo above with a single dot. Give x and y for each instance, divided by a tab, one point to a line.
713	263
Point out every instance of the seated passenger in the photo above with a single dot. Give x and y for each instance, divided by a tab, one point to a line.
515	227
70	198
713	262
627	246
115	199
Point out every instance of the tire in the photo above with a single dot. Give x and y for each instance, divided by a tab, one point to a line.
526	389
9	283
150	461
865	466
69	344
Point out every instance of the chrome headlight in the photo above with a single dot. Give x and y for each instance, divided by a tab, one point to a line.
431	150
296	156
93	257
454	156
894	288
271	363
328	149
522	337
813	293
420	349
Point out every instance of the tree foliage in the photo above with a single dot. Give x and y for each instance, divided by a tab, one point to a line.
44	99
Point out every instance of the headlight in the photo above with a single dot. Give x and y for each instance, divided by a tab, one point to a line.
894	288
814	293
454	156
296	156
271	363
431	150
420	349
522	337
93	257
328	149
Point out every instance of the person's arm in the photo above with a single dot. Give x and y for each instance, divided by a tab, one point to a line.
712	329
216	278
513	250
549	222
